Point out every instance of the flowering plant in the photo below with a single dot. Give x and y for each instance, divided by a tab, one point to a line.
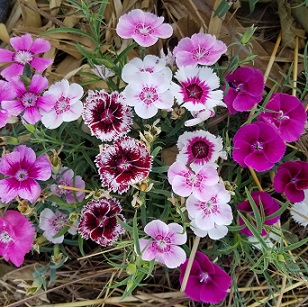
95	167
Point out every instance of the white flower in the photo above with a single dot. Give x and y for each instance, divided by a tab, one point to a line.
299	211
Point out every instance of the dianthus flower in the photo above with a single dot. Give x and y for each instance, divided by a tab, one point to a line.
26	51
144	27
99	222
258	145
29	102
16	237
286	114
163	245
292	179
207	282
299	211
107	115
246	85
68	106
7	94
199	117
123	163
269	207
22	169
202	49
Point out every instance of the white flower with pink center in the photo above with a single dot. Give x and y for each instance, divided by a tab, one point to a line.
197	89
215	233
68	106
163	245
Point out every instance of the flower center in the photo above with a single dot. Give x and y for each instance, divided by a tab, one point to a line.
162	244
123	164
23	57
201	150
102	221
148	95
281	117
204	277
62	105
21	175
5	238
194	91
143	30
257	146
28	99
209	207
200	53
107	116
58	223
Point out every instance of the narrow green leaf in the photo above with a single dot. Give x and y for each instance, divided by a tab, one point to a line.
256	211
296	245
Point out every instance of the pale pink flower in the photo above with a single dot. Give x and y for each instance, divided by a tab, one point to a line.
215	233
7	94
144	27
16	237
199	117
163	245
22	169
68	106
26	51
102	71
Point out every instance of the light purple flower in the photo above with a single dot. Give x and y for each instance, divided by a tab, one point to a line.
286	114
26	51
257	145
163	245
22	169
16	237
207	282
202	49
144	27
7	94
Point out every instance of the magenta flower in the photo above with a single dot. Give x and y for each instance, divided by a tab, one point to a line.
163	245
123	163
16	237
67	177
107	115
29	102
22	169
26	51
207	282
287	115
99	221
257	145
246	85
292	179
7	94
269	207
202	49
144	27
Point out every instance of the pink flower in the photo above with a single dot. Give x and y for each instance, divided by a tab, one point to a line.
163	245
246	85
185	182
26	50
258	145
107	115
67	177
7	94
68	106
22	169
123	163
16	237
269	207
207	282
144	27
29	102
197	88
287	115
202	49
292	179
99	221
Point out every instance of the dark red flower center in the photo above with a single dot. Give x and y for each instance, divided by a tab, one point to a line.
102	221
201	150
123	165
194	91
107	116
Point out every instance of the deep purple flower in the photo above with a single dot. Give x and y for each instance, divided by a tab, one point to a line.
292	179
207	281
107	115
287	114
269	205
246	85
99	221
258	145
123	163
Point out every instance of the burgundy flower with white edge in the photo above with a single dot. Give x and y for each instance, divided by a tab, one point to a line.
99	221
123	163
107	115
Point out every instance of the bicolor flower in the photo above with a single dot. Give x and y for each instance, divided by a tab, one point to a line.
163	245
7	96
299	211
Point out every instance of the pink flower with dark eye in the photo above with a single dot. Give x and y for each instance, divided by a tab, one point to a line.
269	207
99	221
7	94
123	163
16	237
207	282
107	115
144	27
202	49
26	51
286	114
22	169
257	145
292	179
246	85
